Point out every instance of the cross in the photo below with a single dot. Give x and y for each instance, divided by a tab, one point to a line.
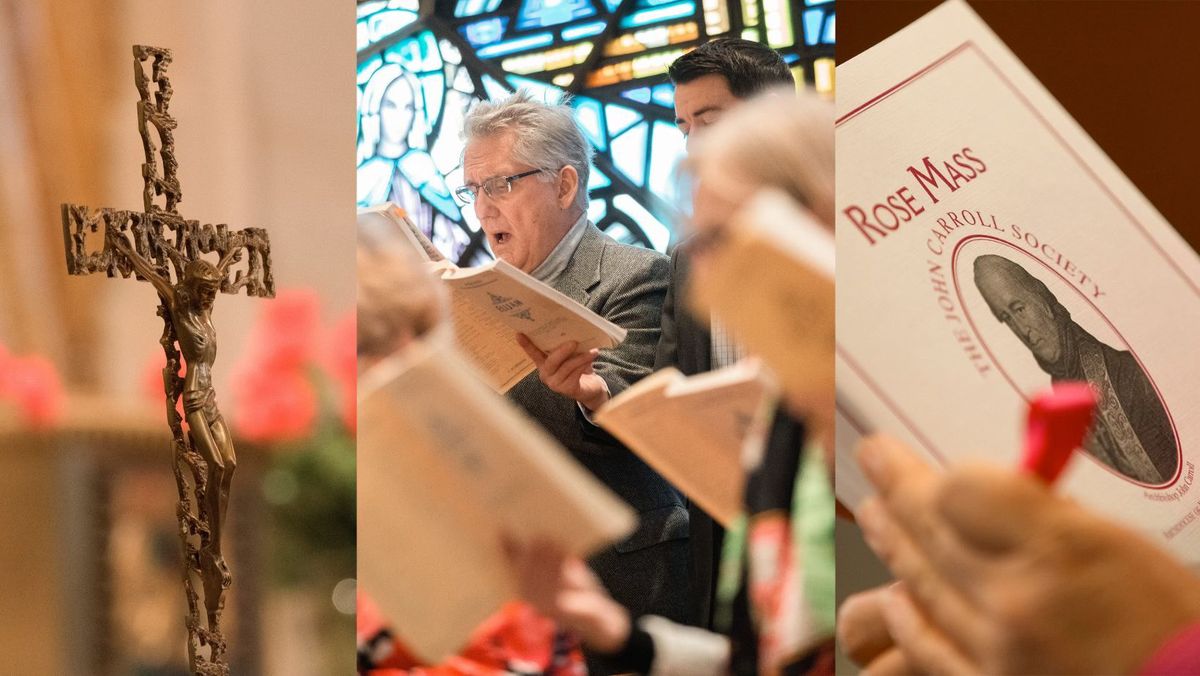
168	251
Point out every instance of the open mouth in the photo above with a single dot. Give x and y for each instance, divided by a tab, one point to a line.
502	237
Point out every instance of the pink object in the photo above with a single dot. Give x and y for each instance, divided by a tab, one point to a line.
1058	422
1177	656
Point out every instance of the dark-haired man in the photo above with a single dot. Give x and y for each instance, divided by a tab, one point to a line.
709	80
718	75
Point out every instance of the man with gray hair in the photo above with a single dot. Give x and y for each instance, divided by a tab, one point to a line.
526	168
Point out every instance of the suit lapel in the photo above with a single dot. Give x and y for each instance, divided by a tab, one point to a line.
582	273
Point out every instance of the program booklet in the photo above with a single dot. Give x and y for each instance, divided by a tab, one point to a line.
987	248
691	429
491	303
442	490
771	282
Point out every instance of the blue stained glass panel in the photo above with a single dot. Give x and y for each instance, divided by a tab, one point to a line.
818	2
658	233
791	58
812	25
647	4
612	4
434	86
493	88
629	153
619	232
583	30
620	118
484	32
516	45
597	210
664	95
588	114
385	23
598	179
370	7
641	94
678	10
667	148
547	93
450	53
367	68
544	13
475	7
828	37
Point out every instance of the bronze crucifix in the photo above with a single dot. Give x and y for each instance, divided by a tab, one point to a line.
167	247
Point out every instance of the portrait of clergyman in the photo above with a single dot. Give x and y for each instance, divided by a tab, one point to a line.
1131	432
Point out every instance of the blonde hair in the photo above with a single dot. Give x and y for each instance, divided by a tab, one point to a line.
398	300
781	139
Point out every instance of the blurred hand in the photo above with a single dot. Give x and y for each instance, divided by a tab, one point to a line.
568	373
862	633
1000	575
563	588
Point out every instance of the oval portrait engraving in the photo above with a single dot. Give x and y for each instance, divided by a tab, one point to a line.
1038	328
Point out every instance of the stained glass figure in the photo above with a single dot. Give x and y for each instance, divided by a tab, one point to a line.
419	76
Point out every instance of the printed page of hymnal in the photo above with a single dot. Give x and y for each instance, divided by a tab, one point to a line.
987	247
446	468
491	303
691	429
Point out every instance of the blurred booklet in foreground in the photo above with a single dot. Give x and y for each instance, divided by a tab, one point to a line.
691	430
771	283
988	248
445	468
493	302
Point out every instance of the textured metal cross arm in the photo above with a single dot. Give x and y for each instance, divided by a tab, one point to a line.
168	241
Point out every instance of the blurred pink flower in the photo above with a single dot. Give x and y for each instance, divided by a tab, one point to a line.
341	360
273	404
33	384
286	333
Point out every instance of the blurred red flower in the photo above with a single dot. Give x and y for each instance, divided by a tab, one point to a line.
273	404
33	384
341	360
286	333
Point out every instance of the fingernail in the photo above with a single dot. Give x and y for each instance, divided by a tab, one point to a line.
873	462
870	519
898	613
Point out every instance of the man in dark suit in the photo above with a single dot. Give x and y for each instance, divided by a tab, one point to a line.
526	169
709	80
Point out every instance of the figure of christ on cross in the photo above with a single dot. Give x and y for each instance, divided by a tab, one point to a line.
190	302
204	458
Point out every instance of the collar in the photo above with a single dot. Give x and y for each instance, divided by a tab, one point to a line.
552	268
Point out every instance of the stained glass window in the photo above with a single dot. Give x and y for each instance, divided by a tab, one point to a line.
420	71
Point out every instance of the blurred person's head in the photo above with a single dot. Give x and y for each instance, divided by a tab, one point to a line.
771	141
782	143
716	76
398	300
526	167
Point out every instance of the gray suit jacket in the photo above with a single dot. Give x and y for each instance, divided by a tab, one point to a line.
625	285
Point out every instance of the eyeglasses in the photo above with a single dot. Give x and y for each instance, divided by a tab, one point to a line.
494	187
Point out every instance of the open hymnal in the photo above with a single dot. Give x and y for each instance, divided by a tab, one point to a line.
987	248
691	430
446	469
771	284
491	303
